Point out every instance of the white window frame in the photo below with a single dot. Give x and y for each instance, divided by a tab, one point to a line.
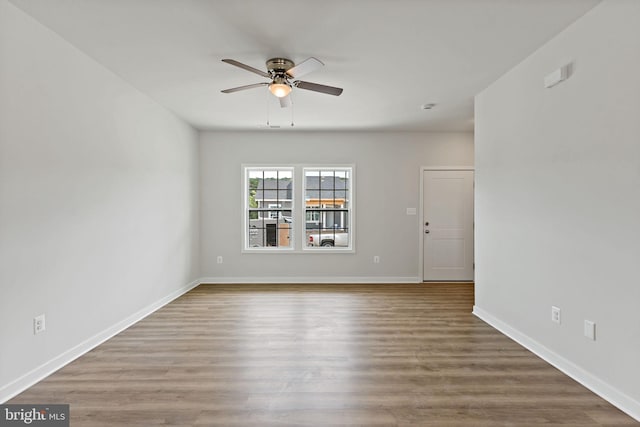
350	248
298	245
246	231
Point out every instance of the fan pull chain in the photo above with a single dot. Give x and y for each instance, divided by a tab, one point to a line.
267	98
292	104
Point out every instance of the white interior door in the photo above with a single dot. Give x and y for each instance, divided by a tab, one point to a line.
447	225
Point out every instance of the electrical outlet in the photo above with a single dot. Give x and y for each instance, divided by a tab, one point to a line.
376	259
555	314
38	324
219	260
590	330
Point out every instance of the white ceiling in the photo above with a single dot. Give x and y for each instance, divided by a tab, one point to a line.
389	56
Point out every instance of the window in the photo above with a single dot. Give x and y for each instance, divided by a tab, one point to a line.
312	217
324	206
269	208
275	214
328	197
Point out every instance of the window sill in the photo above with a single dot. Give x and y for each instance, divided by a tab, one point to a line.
315	250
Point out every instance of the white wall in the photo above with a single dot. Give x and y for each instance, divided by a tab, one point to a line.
98	200
387	182
558	201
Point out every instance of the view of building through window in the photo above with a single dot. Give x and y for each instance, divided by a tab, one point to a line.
327	194
270	207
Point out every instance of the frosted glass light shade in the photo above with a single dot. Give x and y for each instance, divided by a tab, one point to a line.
280	89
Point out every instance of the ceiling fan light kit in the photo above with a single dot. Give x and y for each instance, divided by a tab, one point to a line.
280	87
282	72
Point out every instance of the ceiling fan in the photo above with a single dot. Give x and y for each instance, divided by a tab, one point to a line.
283	74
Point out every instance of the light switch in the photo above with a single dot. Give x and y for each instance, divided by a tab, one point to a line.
590	330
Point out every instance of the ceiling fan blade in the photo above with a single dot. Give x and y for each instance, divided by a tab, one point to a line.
329	90
247	67
285	101
239	88
305	67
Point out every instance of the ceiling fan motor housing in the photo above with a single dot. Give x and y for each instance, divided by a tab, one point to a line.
279	65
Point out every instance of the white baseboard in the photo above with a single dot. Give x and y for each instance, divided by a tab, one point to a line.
308	279
41	372
593	383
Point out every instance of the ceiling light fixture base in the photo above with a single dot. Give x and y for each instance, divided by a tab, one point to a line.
279	65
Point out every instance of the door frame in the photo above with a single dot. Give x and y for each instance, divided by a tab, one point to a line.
423	169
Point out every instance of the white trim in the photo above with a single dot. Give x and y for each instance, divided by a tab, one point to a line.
41	372
298	209
421	209
307	279
447	168
351	168
269	250
612	395
244	169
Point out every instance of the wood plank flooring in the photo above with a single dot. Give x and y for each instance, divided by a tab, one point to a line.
318	355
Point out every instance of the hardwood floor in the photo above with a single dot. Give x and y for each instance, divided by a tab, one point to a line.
318	355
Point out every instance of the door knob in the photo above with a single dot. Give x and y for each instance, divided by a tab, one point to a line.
426	231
